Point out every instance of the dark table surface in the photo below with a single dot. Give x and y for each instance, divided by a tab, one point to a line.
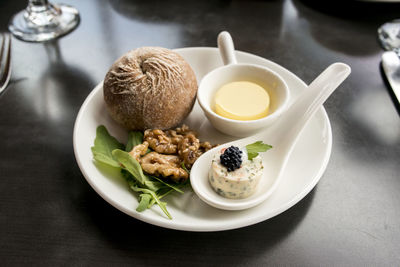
50	215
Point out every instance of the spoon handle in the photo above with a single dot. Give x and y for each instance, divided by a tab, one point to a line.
290	124
226	48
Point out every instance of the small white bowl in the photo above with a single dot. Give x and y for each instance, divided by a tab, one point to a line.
231	72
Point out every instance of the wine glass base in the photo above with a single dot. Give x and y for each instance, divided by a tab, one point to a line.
66	19
389	35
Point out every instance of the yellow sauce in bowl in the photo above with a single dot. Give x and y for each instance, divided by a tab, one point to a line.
242	100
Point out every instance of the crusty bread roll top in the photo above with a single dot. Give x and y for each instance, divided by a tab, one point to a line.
150	87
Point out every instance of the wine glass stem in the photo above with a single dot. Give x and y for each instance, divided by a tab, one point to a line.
38	2
37	5
41	13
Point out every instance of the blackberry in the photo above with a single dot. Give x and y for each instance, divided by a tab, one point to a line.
231	158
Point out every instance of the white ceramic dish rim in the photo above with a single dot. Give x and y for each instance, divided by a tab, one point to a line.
171	224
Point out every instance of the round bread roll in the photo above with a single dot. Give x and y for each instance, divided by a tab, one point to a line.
150	87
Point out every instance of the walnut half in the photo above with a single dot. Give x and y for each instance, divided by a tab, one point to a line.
164	165
159	141
171	149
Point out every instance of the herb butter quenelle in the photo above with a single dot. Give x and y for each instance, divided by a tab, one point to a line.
235	172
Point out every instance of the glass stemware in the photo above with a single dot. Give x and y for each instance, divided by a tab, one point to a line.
42	21
389	36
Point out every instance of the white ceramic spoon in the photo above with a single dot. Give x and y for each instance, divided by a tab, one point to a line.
282	135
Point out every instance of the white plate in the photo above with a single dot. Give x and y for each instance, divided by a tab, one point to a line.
304	169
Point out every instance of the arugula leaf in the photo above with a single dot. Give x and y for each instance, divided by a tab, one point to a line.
162	205
161	193
144	202
104	144
135	138
153	185
253	149
108	150
184	167
160	189
168	185
133	167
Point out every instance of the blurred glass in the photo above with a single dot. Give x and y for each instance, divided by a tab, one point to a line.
43	21
389	36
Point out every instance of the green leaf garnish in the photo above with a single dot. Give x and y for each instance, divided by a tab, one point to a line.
108	150
144	202
253	149
184	167
140	182
133	167
162	205
135	138
168	185
104	144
